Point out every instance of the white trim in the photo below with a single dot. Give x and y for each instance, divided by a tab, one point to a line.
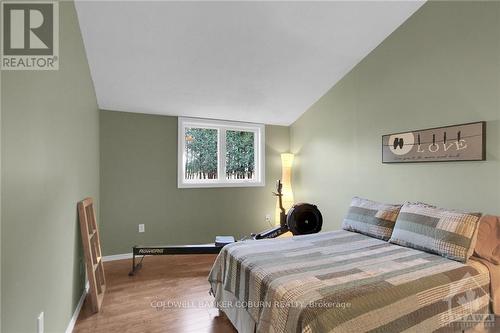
221	126
73	319
117	257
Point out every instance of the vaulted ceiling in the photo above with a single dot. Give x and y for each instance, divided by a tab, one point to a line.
264	62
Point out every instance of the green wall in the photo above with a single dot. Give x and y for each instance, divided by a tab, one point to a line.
139	185
441	67
50	160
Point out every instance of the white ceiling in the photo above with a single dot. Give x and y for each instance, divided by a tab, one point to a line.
264	62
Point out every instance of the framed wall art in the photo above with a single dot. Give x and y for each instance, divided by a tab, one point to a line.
464	142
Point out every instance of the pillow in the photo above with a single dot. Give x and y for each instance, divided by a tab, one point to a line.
488	239
371	218
449	233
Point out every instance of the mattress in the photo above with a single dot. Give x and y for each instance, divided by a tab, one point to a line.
343	281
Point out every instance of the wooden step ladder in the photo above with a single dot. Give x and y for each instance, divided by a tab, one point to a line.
92	250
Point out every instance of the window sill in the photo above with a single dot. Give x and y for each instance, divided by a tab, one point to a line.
217	184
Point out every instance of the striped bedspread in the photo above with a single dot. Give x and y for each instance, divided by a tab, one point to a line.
347	282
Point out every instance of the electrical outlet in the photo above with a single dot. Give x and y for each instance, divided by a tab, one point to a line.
268	218
39	323
141	227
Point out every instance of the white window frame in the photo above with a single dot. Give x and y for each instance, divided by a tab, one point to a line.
222	127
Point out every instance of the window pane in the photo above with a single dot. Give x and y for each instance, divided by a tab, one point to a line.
201	153
240	155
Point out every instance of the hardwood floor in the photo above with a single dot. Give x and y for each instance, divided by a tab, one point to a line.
169	294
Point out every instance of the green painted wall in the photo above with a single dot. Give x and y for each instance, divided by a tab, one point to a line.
441	67
50	160
139	185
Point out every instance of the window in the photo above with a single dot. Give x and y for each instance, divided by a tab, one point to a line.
213	153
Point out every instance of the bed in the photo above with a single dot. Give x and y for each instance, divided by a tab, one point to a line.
342	281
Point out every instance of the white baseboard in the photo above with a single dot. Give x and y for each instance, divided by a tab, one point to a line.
72	322
117	257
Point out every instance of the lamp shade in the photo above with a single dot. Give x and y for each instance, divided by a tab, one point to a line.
286	180
287	160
